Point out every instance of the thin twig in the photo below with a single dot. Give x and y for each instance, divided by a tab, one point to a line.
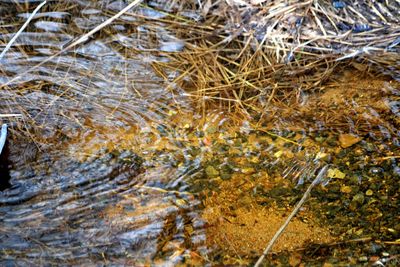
317	179
78	41
101	26
22	29
10	115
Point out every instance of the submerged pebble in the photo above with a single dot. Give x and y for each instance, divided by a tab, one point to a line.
347	140
376	170
338	4
211	171
363	259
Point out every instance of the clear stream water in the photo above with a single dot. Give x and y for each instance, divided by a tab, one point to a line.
90	184
65	180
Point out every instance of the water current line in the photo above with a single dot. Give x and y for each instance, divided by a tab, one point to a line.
3	136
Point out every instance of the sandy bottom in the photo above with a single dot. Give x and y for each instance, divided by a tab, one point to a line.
240	226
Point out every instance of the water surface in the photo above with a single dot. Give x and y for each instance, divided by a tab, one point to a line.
111	163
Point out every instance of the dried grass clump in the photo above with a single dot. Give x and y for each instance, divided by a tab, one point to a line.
249	53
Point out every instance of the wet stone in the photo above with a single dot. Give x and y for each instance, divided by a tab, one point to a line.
226	172
346	189
347	140
376	171
211	171
369	192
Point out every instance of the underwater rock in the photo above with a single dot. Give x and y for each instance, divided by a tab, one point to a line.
347	140
211	172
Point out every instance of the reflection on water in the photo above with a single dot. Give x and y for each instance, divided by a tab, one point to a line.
114	163
80	194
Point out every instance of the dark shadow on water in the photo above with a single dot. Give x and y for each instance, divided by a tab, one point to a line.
4	168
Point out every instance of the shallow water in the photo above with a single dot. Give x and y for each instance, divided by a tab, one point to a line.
74	199
110	165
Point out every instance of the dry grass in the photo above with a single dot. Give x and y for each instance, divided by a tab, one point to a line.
245	55
249	53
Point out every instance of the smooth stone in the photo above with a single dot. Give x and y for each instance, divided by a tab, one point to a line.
211	171
347	140
363	259
369	192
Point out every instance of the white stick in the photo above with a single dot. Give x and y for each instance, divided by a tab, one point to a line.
77	42
22	29
3	137
317	179
10	115
105	23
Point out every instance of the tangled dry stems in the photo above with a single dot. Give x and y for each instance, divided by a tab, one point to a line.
246	54
256	51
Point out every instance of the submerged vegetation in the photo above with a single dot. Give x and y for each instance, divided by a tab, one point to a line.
187	131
